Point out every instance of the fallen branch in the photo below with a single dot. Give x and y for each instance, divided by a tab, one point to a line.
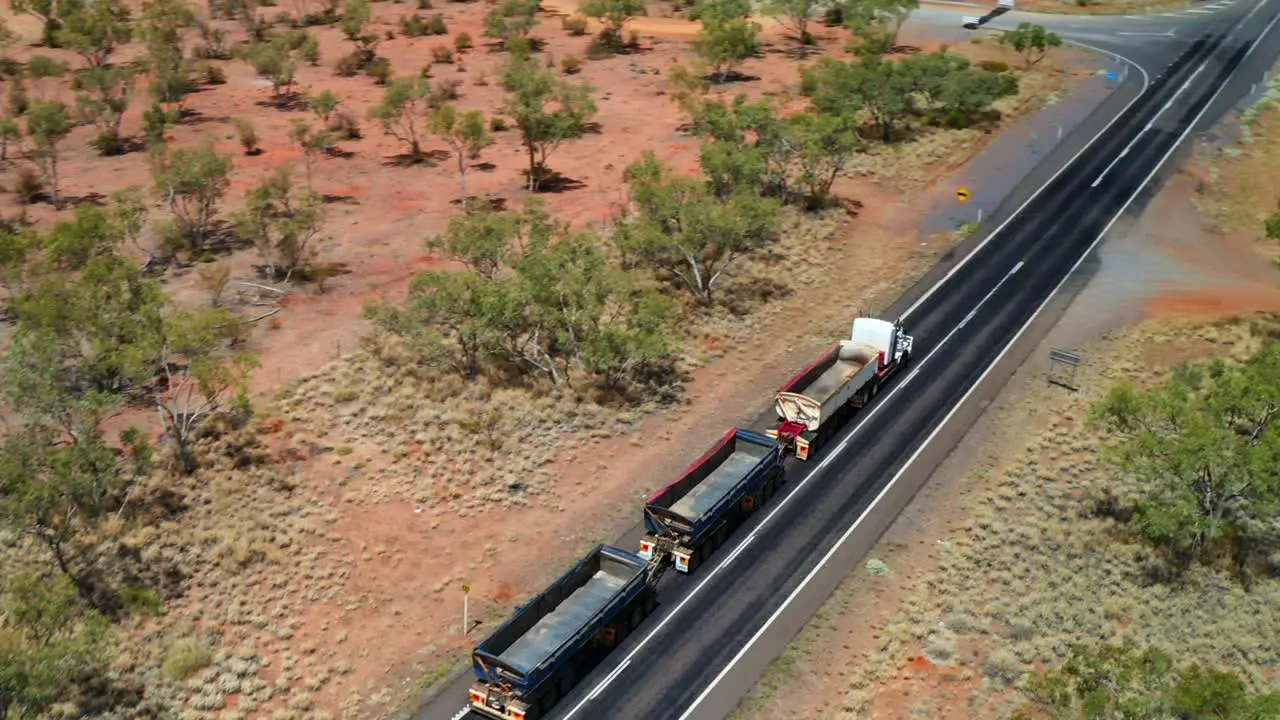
263	316
260	287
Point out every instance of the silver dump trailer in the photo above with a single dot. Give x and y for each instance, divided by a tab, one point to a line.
818	399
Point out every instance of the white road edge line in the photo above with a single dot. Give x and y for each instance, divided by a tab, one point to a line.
616	671
1186	84
871	413
1089	251
1146	83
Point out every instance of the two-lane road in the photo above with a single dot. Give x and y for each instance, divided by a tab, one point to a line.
718	629
711	640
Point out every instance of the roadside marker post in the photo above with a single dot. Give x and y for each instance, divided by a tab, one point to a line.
466	597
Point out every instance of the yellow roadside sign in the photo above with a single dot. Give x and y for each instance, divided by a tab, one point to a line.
962	194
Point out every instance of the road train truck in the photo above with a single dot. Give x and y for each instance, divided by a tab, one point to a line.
536	658
692	516
817	400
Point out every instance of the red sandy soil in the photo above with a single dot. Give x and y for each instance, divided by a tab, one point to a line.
393	613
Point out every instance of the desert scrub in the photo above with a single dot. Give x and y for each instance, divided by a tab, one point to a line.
504	437
186	656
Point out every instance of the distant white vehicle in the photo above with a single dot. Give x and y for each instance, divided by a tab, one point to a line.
970	22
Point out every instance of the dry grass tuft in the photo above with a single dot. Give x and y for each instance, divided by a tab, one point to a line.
1239	192
186	657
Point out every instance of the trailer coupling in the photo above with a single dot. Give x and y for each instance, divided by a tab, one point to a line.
790	434
657	550
497	702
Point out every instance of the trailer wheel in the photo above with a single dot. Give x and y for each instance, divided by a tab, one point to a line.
566	683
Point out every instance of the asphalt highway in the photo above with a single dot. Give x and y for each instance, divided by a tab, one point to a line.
716	630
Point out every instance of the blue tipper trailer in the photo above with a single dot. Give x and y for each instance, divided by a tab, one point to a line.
688	519
537	656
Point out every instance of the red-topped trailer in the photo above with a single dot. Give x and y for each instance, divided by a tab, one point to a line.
817	400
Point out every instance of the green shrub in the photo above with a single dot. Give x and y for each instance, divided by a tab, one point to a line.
108	142
442	54
380	71
140	600
349	65
575	24
995	66
463	42
597	50
344	126
29	185
414	26
247	134
571	65
186	656
497	124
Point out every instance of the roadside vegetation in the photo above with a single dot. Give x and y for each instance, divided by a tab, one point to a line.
1233	194
163	532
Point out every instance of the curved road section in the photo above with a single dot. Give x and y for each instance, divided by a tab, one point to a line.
717	630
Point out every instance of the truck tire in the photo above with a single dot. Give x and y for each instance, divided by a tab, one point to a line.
637	617
566	683
650	604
